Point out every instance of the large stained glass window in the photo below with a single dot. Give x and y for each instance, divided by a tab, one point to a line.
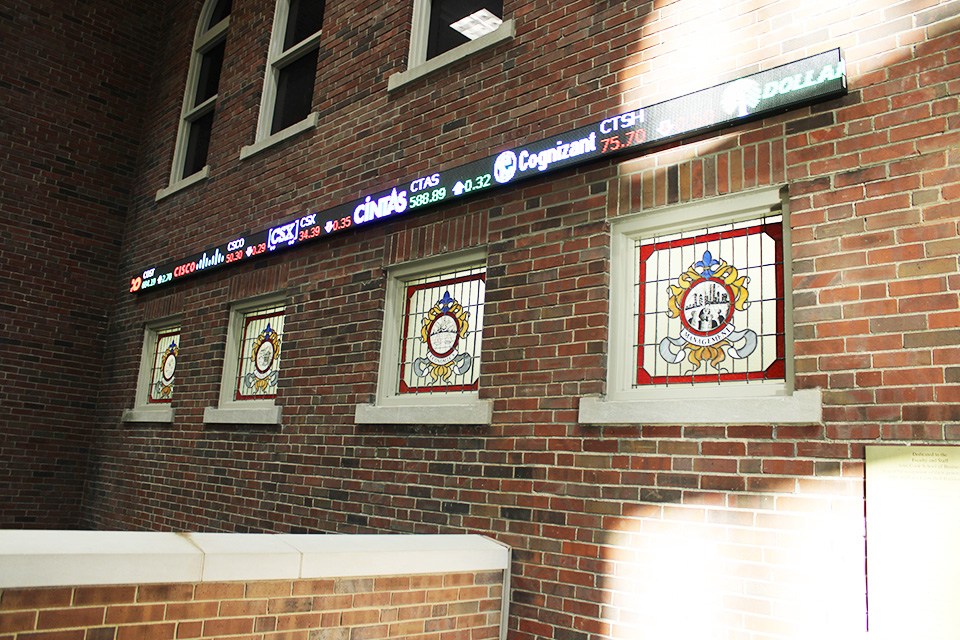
442	322
709	305
258	369
164	367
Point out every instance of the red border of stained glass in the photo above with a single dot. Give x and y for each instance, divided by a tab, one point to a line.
777	369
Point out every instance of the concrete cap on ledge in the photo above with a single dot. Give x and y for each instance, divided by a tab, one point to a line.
73	558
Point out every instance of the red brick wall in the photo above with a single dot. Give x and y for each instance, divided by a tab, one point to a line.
73	76
756	528
422	607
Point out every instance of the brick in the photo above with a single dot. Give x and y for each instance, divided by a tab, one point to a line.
191	610
228	626
313	587
14	599
236	608
354	586
76	634
927	268
330	634
164	593
333	602
950	337
219	590
189	629
73	617
163	631
931	413
361	617
13	622
268	589
125	614
104	595
294	621
102	633
371	632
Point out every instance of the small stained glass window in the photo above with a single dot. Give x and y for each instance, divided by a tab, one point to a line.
709	305
164	369
258	369
440	337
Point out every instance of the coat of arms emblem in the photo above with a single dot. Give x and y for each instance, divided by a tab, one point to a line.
705	298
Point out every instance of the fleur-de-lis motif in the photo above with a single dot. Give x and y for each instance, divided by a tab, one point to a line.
707	264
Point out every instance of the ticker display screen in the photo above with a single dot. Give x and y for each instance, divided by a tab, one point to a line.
812	79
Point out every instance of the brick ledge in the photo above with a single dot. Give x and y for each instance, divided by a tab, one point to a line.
73	558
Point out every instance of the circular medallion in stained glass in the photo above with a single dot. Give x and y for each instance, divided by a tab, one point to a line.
707	307
443	334
264	356
169	367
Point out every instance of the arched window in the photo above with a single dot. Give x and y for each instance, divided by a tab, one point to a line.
200	96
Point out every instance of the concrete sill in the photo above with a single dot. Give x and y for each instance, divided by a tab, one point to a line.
76	558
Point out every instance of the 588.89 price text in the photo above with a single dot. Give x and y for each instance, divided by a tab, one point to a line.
426	197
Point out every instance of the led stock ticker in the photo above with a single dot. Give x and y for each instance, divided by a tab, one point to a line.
813	79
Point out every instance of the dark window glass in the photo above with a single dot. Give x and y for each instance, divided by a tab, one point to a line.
209	79
443	13
198	143
304	20
221	11
295	91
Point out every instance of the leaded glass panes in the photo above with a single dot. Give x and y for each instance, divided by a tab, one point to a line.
709	305
442	326
164	367
258	369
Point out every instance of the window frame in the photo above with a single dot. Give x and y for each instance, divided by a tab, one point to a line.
205	38
143	410
445	407
230	410
277	59
756	402
417	64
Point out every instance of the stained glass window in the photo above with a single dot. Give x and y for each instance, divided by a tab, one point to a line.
709	305
258	369
164	367
442	323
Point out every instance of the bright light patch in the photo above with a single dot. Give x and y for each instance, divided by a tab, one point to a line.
477	24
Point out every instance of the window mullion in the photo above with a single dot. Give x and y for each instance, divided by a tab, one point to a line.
296	51
201	109
212	36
